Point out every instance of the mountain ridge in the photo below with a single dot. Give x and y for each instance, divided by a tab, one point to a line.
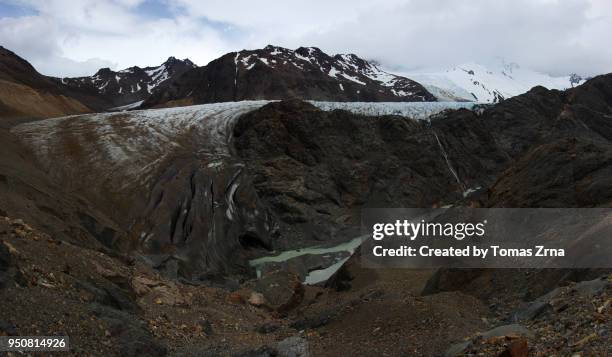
131	84
25	93
269	73
279	73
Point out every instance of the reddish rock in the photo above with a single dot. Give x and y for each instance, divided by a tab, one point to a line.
518	348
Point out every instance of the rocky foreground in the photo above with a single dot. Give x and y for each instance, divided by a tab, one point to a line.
114	305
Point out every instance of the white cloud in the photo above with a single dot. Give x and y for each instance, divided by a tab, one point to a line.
68	37
556	37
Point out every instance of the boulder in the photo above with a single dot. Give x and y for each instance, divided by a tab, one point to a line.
256	299
342	279
293	347
519	348
282	291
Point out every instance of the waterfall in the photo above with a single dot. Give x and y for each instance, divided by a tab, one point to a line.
448	163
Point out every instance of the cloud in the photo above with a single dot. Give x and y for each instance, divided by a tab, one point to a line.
550	36
66	37
23	36
69	38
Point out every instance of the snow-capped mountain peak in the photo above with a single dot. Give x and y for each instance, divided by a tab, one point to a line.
275	72
130	84
344	68
488	84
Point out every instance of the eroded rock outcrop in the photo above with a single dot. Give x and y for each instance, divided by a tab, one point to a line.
316	169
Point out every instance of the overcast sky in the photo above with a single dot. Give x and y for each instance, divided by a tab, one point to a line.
72	37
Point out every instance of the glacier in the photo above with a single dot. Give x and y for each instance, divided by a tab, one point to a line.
413	110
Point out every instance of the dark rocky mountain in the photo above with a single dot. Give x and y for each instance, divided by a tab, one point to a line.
269	73
25	93
17	70
130	85
280	73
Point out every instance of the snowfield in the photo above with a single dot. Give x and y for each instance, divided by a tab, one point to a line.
488	84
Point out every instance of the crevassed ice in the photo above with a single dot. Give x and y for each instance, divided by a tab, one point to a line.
415	110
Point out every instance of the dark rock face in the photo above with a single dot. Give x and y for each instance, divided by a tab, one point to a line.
184	199
130	85
210	214
315	169
559	147
565	135
280	73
